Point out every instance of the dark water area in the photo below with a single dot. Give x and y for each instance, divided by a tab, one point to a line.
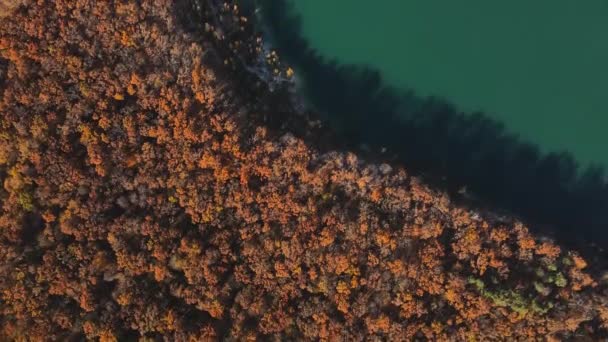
537	66
448	147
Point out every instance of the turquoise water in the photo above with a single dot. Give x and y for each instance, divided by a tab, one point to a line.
540	67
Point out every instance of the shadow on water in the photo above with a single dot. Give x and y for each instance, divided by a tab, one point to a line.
432	137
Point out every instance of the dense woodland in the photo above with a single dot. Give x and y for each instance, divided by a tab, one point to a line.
143	198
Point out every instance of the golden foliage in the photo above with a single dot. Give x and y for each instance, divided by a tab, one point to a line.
140	197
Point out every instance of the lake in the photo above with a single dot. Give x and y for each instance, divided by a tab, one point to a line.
503	99
540	67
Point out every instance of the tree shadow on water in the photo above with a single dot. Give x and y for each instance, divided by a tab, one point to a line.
432	137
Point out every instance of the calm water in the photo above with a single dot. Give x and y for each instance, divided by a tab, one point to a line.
540	67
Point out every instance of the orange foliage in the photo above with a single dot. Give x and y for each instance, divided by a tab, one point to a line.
145	197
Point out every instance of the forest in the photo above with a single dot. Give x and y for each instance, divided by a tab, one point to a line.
158	184
452	148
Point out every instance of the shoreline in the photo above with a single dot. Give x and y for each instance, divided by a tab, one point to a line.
554	206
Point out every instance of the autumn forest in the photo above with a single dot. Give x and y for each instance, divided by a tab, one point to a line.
149	193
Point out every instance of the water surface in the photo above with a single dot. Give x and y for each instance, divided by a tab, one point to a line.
540	67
